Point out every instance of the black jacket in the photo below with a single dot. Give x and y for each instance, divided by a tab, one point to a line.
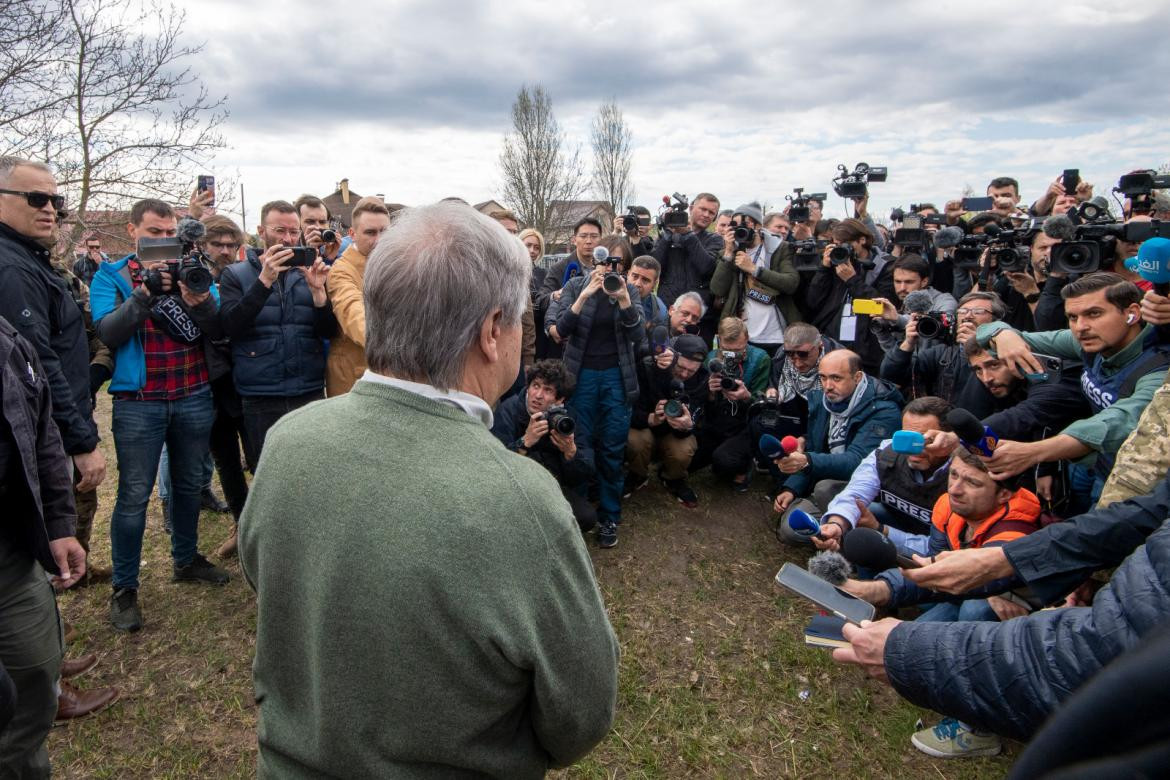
824	301
36	489
39	304
654	386
509	423
938	369
688	261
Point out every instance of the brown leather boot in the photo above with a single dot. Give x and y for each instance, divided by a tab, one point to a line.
73	703
228	548
76	666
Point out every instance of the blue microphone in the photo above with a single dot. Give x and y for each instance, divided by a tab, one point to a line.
974	435
908	442
804	524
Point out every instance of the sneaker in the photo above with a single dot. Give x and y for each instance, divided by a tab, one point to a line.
742	487
680	489
634	483
953	739
201	570
124	612
607	535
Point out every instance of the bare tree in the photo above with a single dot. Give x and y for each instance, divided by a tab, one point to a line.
611	157
30	38
541	176
134	120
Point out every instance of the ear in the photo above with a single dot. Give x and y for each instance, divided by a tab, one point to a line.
489	336
1133	313
130	230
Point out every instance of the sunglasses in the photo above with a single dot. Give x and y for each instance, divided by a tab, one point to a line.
798	353
38	199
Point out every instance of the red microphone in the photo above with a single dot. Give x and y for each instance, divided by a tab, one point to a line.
790	444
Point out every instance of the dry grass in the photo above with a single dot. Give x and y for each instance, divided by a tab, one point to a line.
715	678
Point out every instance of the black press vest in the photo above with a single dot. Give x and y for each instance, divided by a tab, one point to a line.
905	497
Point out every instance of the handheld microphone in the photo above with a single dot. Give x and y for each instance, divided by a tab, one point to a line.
790	444
1153	263
804	523
974	435
948	237
868	548
918	302
1060	226
600	254
831	566
908	442
770	447
659	339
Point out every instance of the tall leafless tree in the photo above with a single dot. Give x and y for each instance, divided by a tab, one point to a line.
541	174
611	140
133	119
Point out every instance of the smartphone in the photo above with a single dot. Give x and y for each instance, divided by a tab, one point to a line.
978	204
865	306
207	184
1070	179
826	596
1052	369
303	256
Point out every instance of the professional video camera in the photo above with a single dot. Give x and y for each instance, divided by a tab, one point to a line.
1139	188
969	250
729	370
856	184
798	210
632	220
184	262
1009	248
676	403
911	234
558	420
674	216
807	254
1088	234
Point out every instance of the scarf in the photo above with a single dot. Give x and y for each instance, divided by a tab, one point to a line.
840	412
792	383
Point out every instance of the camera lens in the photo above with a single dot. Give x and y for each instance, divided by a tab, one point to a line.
612	282
928	327
840	254
673	408
328	236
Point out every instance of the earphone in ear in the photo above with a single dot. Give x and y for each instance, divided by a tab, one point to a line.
1129	320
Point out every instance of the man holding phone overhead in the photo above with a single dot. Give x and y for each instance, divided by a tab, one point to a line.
277	313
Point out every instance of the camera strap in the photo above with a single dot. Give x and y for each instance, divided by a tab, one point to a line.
171	318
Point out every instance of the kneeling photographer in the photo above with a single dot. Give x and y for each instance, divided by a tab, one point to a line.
536	425
672	388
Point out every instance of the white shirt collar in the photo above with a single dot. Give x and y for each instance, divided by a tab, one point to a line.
473	405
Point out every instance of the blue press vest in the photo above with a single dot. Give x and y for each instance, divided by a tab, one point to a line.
1104	391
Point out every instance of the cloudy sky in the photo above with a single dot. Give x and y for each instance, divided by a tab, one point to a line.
413	99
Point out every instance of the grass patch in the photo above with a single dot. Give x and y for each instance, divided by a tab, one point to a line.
715	679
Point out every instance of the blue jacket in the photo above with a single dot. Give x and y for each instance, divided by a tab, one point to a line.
118	313
875	419
277	333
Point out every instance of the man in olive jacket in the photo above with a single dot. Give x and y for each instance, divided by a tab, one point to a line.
426	606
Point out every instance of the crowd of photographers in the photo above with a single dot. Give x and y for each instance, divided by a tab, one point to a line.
965	383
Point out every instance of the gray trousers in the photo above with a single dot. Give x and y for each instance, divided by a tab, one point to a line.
31	648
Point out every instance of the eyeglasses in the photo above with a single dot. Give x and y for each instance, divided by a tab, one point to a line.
798	353
973	312
38	199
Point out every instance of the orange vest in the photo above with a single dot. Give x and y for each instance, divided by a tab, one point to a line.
1020	517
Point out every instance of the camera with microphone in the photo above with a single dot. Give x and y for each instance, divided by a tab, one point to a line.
855	184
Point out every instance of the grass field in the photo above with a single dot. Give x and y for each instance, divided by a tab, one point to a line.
715	678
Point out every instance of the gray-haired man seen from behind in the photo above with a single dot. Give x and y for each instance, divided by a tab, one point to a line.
426	604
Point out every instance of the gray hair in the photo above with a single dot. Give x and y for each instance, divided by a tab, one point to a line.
801	333
692	296
10	164
436	274
1161	202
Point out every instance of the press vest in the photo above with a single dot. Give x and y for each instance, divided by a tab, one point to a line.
903	495
1104	391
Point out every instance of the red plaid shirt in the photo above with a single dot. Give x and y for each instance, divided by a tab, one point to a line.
174	370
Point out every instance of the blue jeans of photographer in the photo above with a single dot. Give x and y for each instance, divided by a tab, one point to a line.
141	428
602	414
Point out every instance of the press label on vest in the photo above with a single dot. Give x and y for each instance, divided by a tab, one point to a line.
902	505
1097	396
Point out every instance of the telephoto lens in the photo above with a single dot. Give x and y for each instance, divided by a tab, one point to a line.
840	254
612	282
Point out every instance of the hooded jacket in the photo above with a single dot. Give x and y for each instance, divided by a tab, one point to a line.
728	282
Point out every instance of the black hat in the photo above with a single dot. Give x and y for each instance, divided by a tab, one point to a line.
690	346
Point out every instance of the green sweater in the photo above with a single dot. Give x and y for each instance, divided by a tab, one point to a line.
426	605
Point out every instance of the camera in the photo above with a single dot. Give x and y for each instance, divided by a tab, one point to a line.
328	235
1075	257
728	370
674	216
676	403
807	254
841	254
855	184
612	282
184	263
798	210
633	221
1009	248
1095	237
969	250
558	420
938	325
1141	183
911	234
743	235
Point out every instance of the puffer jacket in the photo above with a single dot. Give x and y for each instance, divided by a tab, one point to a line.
1009	677
277	333
874	420
628	331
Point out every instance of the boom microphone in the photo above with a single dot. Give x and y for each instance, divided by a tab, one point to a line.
868	548
600	254
918	302
190	230
1060	226
973	433
830	566
948	237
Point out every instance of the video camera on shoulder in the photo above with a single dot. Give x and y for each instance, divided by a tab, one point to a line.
1009	248
798	210
855	184
1095	236
674	216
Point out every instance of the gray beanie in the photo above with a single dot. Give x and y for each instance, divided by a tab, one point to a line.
752	210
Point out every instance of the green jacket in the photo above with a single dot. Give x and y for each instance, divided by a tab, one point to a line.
728	283
426	605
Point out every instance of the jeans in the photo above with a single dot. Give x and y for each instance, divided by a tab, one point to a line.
164	474
1084	489
977	610
261	412
227	432
140	430
603	421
